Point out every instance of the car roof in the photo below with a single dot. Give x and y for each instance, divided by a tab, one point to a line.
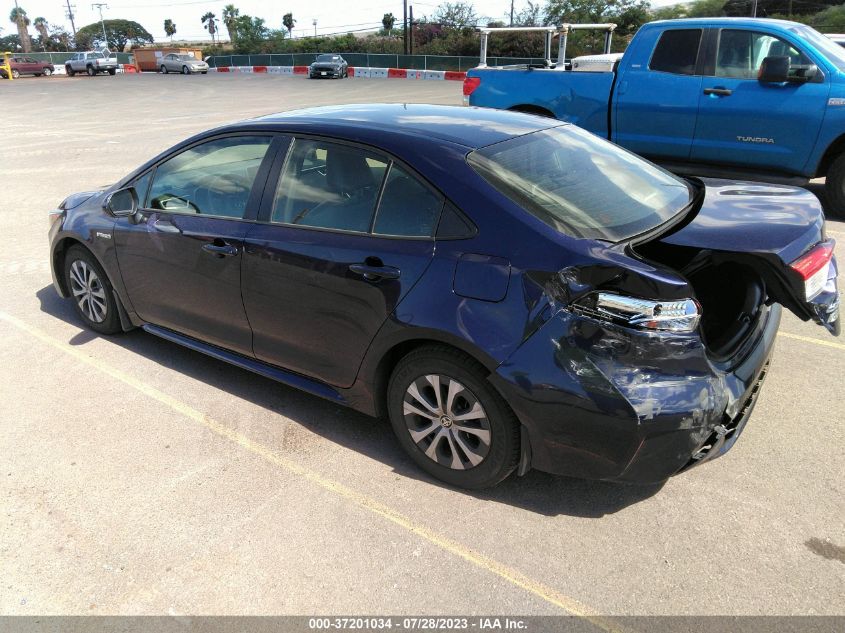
466	126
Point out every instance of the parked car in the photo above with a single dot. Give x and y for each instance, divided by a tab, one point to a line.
509	290
839	38
329	66
91	63
185	64
28	66
729	97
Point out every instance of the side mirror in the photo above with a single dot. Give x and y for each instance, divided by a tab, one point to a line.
805	73
774	70
122	203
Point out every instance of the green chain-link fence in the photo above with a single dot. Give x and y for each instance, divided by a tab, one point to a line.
373	60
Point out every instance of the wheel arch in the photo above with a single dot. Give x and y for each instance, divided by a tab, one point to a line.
833	150
529	108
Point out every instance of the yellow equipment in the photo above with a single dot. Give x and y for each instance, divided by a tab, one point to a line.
7	65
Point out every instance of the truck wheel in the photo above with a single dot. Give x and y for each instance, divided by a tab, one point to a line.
163	69
834	185
48	72
70	71
90	70
112	71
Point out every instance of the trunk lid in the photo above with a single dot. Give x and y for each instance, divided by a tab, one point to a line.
776	231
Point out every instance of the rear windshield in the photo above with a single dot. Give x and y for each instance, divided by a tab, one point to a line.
582	185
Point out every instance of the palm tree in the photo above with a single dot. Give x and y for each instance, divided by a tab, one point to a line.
387	22
169	29
209	21
41	27
289	22
230	16
18	17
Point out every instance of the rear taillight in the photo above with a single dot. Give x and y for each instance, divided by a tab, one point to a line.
470	84
813	267
668	316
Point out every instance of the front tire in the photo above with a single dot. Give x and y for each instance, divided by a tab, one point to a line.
70	71
15	73
834	185
450	420
185	70
90	291
163	69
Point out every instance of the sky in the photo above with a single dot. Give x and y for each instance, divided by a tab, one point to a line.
332	16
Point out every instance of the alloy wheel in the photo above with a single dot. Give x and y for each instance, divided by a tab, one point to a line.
88	291
447	422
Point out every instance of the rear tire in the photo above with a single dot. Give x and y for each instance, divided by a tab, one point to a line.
90	291
464	433
834	186
112	71
47	72
90	71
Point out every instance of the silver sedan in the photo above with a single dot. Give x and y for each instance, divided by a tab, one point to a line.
185	64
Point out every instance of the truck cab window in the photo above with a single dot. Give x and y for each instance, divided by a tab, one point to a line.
676	52
741	53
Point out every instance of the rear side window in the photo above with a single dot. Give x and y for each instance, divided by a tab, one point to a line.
327	185
676	52
407	206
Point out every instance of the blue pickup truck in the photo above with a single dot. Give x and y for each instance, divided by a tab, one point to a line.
723	97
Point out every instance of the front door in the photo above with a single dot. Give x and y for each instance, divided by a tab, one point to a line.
347	234
744	122
180	256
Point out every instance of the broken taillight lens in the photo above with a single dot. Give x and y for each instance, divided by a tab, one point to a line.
813	266
667	316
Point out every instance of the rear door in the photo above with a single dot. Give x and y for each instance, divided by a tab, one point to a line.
180	255
656	99
345	233
744	122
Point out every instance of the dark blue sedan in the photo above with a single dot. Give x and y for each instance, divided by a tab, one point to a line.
510	291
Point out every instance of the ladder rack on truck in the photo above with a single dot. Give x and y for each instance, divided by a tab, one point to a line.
562	31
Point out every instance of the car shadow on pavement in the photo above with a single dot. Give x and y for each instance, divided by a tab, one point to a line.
536	492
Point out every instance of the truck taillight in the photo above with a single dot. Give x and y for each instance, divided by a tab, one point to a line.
668	316
470	84
813	266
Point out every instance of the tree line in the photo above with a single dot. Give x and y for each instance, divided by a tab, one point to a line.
449	30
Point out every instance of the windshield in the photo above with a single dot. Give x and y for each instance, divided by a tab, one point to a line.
832	51
582	185
186	58
328	58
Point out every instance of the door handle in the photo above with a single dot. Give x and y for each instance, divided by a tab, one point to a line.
375	273
722	92
220	249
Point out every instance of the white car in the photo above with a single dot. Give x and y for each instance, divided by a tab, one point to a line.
182	63
839	38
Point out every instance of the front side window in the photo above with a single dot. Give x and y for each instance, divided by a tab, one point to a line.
677	52
582	185
741	53
327	185
213	178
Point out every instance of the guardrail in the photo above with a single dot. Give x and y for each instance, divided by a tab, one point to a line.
458	63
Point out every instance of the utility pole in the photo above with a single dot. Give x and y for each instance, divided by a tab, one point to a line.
314	22
70	17
411	40
405	26
99	6
511	13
